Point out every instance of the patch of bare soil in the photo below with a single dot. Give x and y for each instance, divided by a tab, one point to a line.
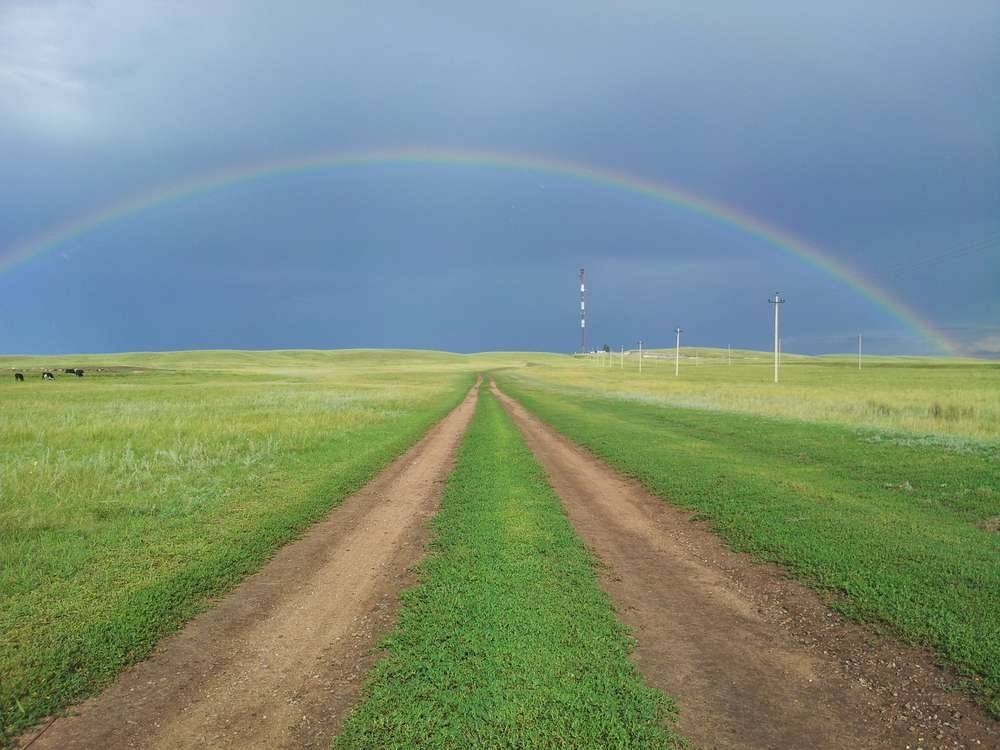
754	659
279	661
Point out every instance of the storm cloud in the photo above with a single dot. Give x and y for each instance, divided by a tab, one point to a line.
867	129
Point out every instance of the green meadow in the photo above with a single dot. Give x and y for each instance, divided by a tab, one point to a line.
913	395
130	496
897	527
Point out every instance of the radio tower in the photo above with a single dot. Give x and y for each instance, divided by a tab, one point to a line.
583	315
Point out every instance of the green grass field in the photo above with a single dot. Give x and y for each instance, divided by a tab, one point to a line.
507	641
127	498
130	497
898	528
913	395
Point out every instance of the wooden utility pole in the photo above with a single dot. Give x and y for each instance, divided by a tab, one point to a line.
777	300
677	352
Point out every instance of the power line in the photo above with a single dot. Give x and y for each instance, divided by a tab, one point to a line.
985	243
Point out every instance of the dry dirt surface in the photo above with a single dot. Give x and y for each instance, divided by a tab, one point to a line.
279	661
753	658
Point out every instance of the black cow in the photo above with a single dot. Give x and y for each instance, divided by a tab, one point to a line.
48	376
79	372
19	377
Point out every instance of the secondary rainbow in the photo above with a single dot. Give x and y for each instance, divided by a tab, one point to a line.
674	195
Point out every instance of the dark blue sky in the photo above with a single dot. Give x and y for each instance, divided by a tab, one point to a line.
870	129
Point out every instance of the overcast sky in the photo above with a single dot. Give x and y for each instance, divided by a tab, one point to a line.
871	129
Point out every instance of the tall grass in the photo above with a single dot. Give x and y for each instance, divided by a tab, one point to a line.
892	394
129	497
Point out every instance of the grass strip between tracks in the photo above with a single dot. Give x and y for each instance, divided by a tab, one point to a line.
508	641
900	533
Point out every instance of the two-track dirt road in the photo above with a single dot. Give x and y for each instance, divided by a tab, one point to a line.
279	661
754	659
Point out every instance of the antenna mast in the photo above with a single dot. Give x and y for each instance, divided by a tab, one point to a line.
583	315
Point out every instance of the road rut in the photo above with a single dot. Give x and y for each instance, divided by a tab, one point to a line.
754	659
279	661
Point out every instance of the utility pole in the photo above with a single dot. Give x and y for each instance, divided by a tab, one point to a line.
677	352
583	315
730	358
640	356
623	358
859	351
776	301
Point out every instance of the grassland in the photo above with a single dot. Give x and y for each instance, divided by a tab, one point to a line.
913	395
129	497
508	641
896	528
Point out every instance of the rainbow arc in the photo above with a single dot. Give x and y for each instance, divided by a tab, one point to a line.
191	188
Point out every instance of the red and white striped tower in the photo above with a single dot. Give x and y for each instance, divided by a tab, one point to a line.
583	315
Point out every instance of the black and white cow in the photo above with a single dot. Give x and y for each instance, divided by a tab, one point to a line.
48	376
19	377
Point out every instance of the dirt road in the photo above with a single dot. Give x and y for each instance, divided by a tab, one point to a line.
279	661
754	659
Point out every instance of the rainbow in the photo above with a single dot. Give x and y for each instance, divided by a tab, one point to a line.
673	195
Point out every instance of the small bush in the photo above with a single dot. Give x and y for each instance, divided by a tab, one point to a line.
879	409
951	412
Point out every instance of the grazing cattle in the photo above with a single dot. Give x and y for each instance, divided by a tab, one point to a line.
48	376
19	377
79	372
